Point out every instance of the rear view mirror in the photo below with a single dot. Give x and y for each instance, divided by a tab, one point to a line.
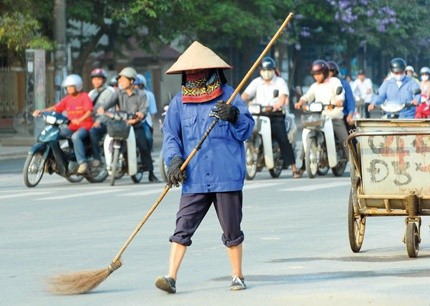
339	90
417	91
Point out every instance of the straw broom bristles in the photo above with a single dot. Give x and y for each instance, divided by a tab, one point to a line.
80	282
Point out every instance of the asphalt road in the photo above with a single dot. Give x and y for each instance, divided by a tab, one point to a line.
296	249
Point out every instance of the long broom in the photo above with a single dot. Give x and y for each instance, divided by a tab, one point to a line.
85	281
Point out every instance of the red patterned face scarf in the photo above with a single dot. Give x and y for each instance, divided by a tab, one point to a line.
202	86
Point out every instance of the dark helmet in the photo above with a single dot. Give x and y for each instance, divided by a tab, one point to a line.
98	72
268	63
320	66
397	65
332	66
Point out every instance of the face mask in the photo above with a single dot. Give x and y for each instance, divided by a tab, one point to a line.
267	74
399	77
425	77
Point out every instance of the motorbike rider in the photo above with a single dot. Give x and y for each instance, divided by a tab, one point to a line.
324	91
100	94
132	100
349	102
423	110
148	123
79	107
410	71
362	89
271	90
400	88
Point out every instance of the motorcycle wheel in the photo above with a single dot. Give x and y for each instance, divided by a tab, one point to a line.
33	170
277	159
341	164
323	170
139	174
251	160
114	166
311	157
74	178
97	174
163	167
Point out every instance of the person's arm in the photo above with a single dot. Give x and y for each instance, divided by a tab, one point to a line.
283	94
79	121
307	97
111	102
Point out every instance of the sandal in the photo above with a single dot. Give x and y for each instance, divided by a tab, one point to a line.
297	174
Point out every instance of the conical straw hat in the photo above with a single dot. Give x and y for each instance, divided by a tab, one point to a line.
197	56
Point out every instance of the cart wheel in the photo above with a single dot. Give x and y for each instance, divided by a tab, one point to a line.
412	239
356	227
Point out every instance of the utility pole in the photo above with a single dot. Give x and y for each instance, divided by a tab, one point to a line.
60	60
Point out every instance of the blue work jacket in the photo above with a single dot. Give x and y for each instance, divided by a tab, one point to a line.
219	166
390	91
349	102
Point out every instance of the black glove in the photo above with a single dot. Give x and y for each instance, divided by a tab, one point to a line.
226	112
174	173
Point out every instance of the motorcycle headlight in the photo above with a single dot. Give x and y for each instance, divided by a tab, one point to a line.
316	107
254	108
50	119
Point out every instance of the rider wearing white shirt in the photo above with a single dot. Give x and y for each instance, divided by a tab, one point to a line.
271	90
362	89
324	91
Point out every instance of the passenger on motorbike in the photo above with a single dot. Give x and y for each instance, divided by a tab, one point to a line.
132	100
149	120
400	89
272	90
79	108
324	91
349	102
100	95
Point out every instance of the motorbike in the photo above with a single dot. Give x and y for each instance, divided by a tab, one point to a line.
54	155
261	150
391	108
122	155
322	149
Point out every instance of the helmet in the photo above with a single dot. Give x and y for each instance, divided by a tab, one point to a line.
333	67
73	80
397	65
409	68
138	81
98	72
425	70
268	63
113	81
142	79
128	72
320	66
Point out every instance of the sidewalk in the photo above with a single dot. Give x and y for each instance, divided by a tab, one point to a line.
15	147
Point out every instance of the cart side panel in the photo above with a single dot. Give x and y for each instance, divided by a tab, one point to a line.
395	164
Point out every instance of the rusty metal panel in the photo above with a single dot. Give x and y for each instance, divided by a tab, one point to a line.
395	164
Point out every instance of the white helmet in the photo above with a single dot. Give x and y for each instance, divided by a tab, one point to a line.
128	72
409	68
425	70
73	80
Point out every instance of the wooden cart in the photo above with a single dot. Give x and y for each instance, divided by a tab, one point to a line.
390	176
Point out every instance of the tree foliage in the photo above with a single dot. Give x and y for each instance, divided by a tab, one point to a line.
238	26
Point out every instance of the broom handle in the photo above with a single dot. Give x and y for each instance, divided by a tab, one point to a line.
198	146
